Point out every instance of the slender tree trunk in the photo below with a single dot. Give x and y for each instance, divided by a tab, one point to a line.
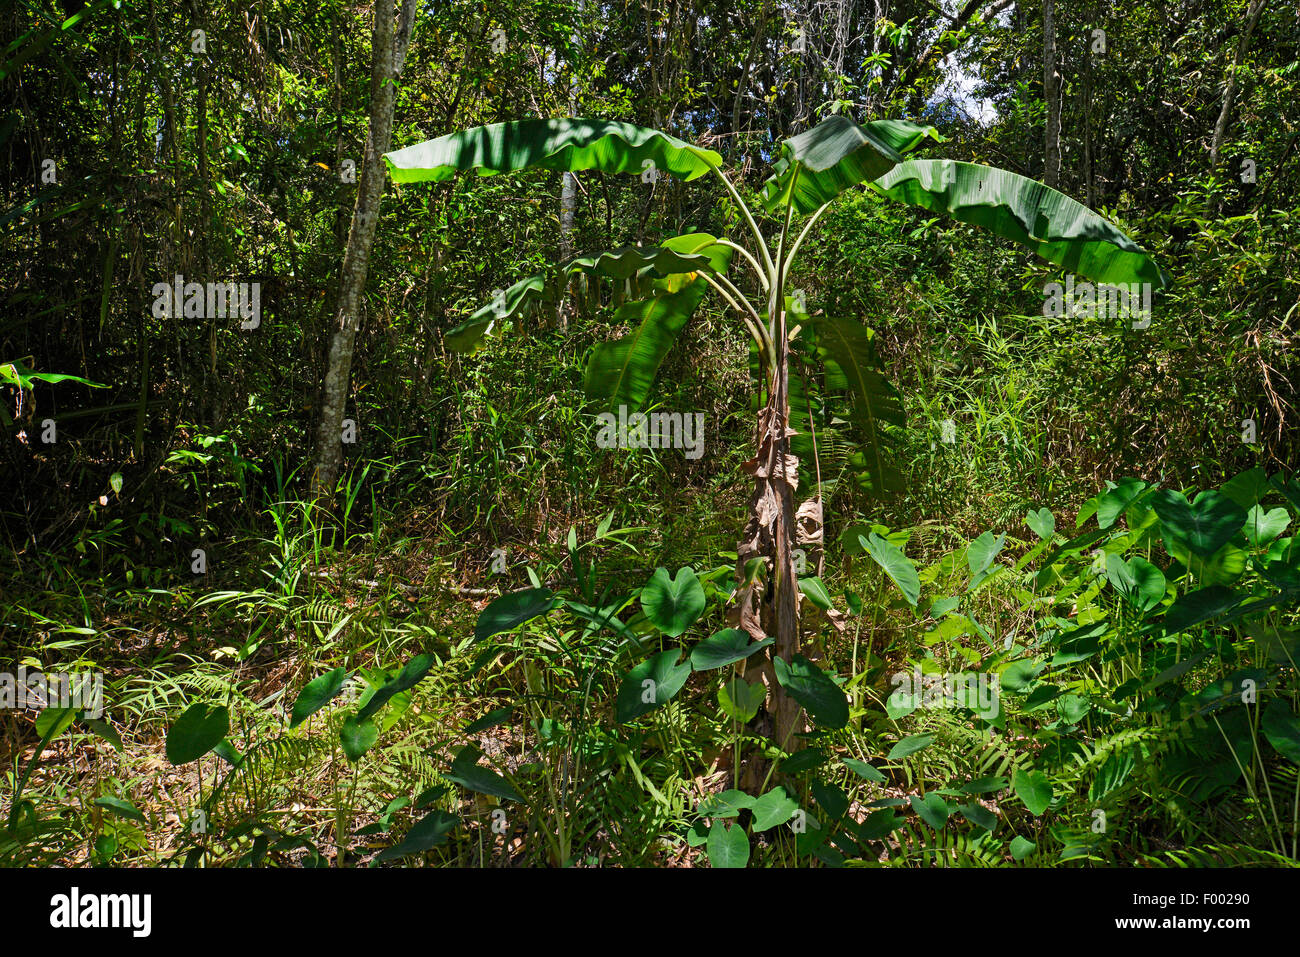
1052	94
1230	90
771	607
743	85
1090	190
389	54
569	208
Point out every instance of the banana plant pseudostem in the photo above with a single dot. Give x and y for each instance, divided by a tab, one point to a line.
812	169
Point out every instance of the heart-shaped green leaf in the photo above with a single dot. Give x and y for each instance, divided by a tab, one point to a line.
1264	526
739	700
468	773
773	809
895	564
1022	847
1204	525
1112	503
821	697
197	731
980	554
317	694
932	809
430	831
412	673
724	648
510	611
910	745
1139	582
650	684
1019	676
673	604
1042	523
1035	790
357	737
728	846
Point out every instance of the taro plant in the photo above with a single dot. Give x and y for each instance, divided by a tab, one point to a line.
668	282
1156	672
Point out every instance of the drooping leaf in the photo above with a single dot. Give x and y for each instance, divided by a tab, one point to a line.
1201	605
620	373
412	673
863	770
1014	207
727	804
831	798
815	589
910	745
821	697
1282	728
851	364
568	145
687	254
430	831
725	647
650	684
673	604
512	610
903	135
197	731
979	815
802	761
824	161
879	825
468	773
121	808
932	809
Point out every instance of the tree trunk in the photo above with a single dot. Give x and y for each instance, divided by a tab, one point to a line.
1089	183
388	55
772	607
1052	94
742	84
568	210
1230	91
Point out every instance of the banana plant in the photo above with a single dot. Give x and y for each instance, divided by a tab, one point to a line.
812	169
